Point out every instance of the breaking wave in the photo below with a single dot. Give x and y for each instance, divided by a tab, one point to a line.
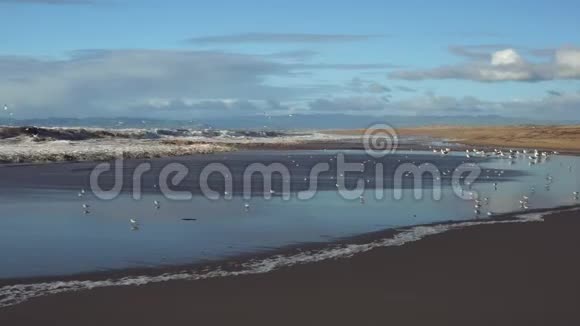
77	134
54	144
15	294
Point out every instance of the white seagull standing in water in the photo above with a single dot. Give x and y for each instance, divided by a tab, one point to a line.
134	224
156	203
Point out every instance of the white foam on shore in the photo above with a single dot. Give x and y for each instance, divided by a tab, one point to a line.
134	144
15	294
99	150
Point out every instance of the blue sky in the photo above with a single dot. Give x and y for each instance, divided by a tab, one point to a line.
197	58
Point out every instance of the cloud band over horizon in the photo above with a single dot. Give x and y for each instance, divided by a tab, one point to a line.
502	65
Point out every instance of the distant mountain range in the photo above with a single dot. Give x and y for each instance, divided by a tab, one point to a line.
281	122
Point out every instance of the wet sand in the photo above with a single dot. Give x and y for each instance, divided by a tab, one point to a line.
501	274
76	175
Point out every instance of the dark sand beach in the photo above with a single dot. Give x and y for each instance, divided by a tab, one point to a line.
499	274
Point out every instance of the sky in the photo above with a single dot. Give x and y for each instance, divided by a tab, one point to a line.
195	59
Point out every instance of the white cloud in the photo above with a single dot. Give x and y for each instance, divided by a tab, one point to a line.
550	107
157	82
568	61
107	82
506	57
502	65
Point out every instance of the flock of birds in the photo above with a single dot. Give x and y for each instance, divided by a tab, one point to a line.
134	223
534	157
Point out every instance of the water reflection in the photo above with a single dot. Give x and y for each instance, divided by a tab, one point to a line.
45	231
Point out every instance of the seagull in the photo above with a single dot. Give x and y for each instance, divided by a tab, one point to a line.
525	206
5	107
246	206
156	203
86	206
134	224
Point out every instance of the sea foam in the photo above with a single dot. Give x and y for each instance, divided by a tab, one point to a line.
37	144
15	294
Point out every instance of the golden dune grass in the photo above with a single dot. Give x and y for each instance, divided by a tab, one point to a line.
563	138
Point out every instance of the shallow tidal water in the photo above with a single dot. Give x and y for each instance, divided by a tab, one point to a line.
44	230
